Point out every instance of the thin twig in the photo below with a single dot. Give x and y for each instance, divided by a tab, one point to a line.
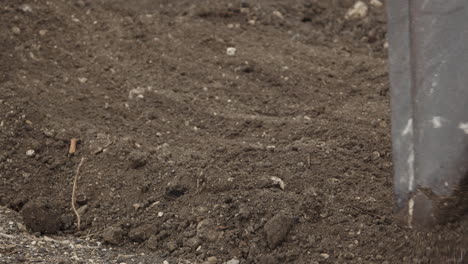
75	180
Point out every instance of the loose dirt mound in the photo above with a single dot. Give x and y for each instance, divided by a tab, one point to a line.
187	148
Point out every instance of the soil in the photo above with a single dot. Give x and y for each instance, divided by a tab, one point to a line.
278	153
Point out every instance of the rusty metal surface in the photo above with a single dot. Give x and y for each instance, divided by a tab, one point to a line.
428	48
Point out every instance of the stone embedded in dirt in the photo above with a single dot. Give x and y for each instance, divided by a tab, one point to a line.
26	8
278	14
211	260
153	242
82	210
233	261
139	234
348	256
16	30
357	11
171	246
113	235
30	152
278	182
376	3
137	159
41	215
193	242
207	231
231	51
277	228
82	79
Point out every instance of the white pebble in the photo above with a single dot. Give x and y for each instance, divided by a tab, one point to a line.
82	79
231	51
160	214
30	153
233	261
26	8
376	3
359	10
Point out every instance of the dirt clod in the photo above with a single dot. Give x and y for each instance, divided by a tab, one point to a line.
42	215
113	235
139	234
277	228
137	159
206	230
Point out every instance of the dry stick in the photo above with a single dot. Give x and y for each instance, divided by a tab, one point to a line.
75	180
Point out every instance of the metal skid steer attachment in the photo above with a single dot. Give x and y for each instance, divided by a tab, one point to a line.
428	48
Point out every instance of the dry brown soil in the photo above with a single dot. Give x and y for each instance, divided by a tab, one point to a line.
181	141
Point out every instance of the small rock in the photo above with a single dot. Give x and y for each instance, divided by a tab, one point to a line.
278	14
193	243
49	132
375	155
206	230
348	256
26	8
42	32
278	182
137	206
324	255
139	234
136	92
357	11
376	3
21	227
172	246
137	159
30	152
233	261
211	260
16	30
277	228
153	242
113	235
82	79
231	51
82	210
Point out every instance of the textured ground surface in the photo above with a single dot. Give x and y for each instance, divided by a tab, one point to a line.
181	140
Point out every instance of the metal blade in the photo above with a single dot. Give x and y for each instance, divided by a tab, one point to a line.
428	48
